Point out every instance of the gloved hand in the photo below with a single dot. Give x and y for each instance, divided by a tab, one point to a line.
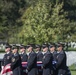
54	62
26	71
2	67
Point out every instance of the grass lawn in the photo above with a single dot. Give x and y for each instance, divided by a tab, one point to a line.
73	69
73	72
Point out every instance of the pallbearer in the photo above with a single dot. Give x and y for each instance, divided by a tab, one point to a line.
16	65
39	57
38	52
47	60
23	54
61	60
7	56
52	49
32	61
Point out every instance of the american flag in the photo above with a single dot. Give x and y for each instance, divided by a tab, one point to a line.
7	71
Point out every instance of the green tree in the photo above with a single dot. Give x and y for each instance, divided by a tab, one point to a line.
10	13
43	23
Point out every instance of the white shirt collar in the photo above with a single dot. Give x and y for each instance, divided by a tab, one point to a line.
8	52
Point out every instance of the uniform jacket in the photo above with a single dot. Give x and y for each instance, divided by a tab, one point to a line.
39	56
47	63
61	63
16	65
24	57
32	64
6	59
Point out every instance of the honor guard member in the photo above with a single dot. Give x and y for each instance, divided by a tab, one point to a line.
39	57
7	56
39	53
47	60
16	65
32	61
23	54
54	54
61	60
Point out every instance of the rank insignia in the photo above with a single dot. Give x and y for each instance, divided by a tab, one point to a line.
8	57
13	59
21	57
28	57
44	57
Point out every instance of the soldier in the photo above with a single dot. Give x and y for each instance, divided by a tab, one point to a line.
54	54
7	56
39	53
32	61
39	57
23	54
16	66
61	60
47	60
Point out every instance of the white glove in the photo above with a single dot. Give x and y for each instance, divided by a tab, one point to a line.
2	67
26	71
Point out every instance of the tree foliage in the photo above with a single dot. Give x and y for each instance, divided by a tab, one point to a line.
44	23
37	21
10	13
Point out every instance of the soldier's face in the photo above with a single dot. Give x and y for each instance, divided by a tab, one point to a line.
52	49
14	51
22	50
45	49
59	48
7	49
29	49
37	49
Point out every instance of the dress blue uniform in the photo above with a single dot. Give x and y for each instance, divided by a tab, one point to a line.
24	57
7	57
47	63
39	56
61	62
32	64
39	53
16	65
54	54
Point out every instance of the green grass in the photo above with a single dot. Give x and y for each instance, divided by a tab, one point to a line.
73	69
71	49
73	72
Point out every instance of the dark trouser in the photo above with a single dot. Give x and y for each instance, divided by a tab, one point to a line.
61	72
54	72
17	71
39	71
32	71
46	71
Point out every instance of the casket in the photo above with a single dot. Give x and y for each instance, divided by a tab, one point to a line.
7	71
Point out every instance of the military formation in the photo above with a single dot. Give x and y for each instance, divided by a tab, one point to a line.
52	56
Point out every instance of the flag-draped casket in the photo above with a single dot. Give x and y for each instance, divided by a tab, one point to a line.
7	71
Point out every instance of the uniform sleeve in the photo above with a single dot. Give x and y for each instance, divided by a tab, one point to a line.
39	57
25	58
46	60
31	61
14	62
60	60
